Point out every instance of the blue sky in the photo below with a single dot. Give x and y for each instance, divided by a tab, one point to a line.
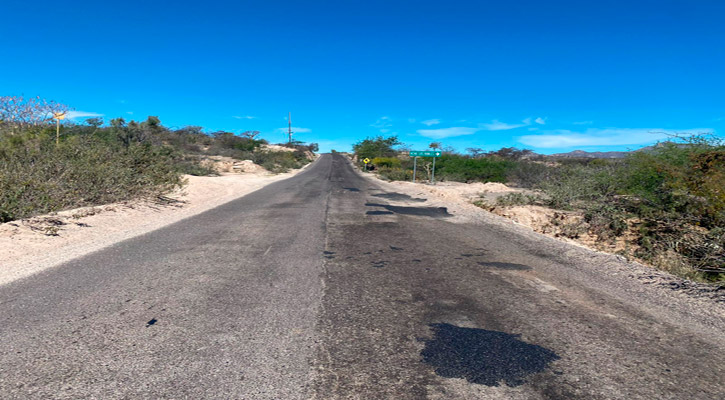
546	75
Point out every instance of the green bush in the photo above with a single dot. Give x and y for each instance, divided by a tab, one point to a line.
675	190
515	199
36	176
388	162
529	174
465	169
280	161
395	174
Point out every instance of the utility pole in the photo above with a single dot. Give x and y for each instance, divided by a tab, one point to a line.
289	129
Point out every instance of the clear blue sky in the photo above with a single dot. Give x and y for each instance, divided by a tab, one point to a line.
547	75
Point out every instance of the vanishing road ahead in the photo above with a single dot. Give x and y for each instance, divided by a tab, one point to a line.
328	285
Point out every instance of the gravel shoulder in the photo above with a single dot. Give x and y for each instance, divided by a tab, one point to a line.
39	243
701	303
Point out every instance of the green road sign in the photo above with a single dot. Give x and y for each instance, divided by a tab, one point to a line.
424	153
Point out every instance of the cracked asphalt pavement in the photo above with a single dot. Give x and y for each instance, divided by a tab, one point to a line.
329	285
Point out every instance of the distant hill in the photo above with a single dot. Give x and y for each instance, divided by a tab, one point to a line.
591	154
605	154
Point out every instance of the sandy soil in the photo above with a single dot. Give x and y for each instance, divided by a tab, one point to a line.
32	245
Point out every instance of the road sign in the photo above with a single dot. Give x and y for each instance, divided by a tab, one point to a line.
424	153
367	160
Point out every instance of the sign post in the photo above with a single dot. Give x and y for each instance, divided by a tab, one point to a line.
416	154
433	173
415	167
58	117
366	161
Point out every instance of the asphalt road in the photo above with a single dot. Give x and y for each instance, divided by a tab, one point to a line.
326	285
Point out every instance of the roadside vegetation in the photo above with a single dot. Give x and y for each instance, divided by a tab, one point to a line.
664	206
94	163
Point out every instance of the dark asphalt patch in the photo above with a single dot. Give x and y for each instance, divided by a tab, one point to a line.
153	321
433	212
379	212
352	189
502	265
483	357
398	197
378	264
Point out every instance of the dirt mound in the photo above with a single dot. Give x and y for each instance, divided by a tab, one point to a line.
223	164
248	166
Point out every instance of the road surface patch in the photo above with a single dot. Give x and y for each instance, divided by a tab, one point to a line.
379	213
399	197
433	212
503	265
483	357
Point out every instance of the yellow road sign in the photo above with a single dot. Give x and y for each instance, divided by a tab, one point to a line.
367	160
59	116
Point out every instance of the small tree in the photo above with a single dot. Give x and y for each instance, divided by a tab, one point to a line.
94	122
18	112
475	152
376	147
251	135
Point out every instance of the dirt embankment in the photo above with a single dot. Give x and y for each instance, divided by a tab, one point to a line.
32	245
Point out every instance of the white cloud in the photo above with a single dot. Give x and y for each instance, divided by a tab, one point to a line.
243	117
129	112
603	137
447	132
500	126
295	129
540	121
430	122
382	123
82	114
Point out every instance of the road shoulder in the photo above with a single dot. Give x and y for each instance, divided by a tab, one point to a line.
35	244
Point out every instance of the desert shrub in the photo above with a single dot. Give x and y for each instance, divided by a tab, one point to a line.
36	176
191	165
515	199
465	169
388	162
529	174
572	186
280	161
395	174
674	190
606	220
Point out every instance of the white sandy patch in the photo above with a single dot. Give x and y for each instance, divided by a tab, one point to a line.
27	248
276	147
